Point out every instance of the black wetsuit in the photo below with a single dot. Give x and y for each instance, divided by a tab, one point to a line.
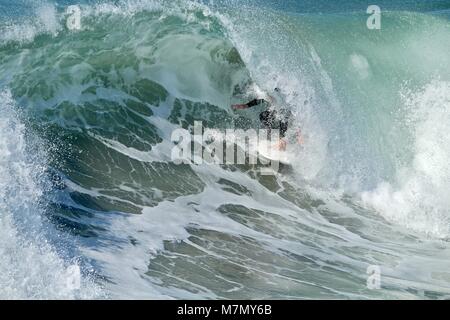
269	118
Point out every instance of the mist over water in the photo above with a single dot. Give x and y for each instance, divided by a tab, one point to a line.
87	177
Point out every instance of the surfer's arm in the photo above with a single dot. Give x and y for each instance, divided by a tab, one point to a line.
250	104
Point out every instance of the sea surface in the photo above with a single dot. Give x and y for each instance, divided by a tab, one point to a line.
88	185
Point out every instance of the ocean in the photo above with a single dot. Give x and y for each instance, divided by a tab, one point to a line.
93	206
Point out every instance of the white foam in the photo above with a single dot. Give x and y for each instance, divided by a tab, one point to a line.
30	267
44	20
360	65
419	198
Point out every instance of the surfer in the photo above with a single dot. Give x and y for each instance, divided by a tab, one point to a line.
272	118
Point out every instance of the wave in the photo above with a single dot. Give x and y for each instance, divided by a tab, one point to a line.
417	199
107	97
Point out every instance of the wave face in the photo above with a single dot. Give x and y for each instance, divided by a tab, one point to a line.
86	176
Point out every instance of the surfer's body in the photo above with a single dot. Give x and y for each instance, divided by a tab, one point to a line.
273	118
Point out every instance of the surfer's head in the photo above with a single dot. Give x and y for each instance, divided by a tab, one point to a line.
277	97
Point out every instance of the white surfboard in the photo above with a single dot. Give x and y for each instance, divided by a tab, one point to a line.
269	151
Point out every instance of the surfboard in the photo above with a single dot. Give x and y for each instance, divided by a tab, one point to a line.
268	151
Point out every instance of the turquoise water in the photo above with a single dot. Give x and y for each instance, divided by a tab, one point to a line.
87	180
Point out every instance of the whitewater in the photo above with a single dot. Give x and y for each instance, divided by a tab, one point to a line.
87	181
